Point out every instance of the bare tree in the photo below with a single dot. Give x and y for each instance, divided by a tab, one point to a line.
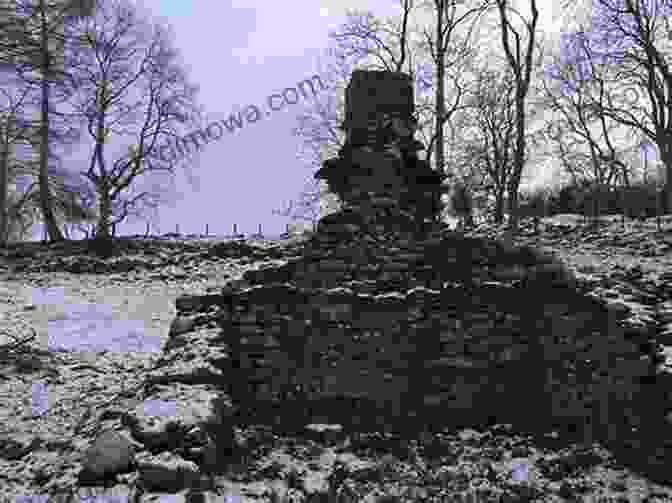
131	86
629	42
19	139
21	217
490	117
35	37
440	48
572	96
521	65
12	131
363	36
320	139
69	204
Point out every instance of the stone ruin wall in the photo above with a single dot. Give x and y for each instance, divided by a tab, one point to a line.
443	323
469	353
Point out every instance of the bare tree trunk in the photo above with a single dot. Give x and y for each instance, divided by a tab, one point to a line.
666	199
53	231
522	70
45	195
512	202
626	178
4	173
440	78
105	206
518	162
499	206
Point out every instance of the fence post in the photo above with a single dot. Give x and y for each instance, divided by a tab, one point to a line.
235	230
206	230
147	231
260	230
177	228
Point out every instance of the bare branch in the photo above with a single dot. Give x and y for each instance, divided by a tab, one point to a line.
131	87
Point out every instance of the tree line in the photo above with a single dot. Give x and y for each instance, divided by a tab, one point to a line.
93	65
95	72
481	105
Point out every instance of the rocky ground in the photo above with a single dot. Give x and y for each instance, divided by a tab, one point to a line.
630	267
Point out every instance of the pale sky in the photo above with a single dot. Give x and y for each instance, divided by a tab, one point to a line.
239	52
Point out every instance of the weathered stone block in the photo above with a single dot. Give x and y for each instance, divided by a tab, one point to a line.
371	93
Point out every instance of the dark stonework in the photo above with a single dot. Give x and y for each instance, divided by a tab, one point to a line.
379	158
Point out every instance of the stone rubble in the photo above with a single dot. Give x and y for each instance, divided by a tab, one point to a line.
103	470
462	329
